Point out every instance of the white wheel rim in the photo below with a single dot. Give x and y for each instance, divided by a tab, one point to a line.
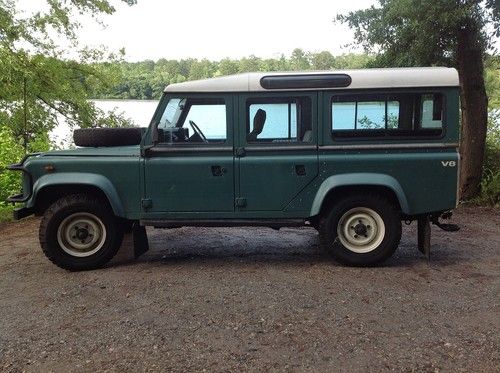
81	234
361	230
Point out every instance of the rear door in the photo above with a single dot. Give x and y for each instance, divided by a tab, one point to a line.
276	149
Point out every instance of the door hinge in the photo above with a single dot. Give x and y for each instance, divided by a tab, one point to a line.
146	203
241	202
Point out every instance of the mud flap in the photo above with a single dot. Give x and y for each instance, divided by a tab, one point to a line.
424	236
141	244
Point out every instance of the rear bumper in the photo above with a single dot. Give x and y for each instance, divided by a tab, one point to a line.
22	212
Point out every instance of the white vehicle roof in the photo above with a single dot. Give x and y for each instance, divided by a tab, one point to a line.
360	79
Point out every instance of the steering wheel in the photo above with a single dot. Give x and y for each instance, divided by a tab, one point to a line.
196	129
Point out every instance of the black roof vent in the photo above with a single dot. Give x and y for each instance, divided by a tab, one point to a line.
305	81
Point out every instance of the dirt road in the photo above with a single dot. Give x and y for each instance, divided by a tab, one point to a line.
249	299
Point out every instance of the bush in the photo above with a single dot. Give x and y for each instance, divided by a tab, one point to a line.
11	152
490	184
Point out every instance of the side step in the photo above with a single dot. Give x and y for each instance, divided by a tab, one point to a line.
271	223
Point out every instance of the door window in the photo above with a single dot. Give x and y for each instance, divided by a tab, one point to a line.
193	121
279	120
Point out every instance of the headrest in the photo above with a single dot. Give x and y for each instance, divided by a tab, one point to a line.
258	120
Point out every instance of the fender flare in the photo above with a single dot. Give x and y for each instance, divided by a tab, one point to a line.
79	178
356	179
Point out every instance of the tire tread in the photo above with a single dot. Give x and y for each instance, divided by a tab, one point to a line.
67	202
324	231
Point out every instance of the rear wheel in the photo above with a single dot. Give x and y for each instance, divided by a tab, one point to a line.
80	232
361	230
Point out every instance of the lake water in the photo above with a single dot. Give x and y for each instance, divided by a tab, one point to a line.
139	112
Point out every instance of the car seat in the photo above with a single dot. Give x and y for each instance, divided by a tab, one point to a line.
258	125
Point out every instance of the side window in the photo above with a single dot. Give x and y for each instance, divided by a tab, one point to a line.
186	121
210	119
365	115
371	115
431	111
279	120
387	115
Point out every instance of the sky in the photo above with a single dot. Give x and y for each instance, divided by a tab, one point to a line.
216	29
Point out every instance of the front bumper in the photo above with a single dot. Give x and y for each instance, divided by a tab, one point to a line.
22	212
17	198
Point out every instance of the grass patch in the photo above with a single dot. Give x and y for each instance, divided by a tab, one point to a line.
6	213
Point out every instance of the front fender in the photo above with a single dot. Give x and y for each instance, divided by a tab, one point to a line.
79	178
357	179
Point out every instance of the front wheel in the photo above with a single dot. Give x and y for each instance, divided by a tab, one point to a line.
79	232
361	230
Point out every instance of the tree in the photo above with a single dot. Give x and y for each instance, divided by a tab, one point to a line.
322	61
249	64
299	60
455	33
38	81
227	67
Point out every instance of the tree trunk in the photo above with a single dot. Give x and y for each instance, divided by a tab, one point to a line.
474	105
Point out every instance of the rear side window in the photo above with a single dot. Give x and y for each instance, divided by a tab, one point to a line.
279	120
387	115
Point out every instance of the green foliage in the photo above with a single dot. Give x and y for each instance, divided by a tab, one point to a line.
147	79
5	213
490	184
492	81
421	32
39	84
11	152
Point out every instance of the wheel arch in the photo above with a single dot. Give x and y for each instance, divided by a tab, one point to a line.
335	186
50	188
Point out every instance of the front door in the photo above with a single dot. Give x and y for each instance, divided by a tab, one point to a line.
277	149
191	169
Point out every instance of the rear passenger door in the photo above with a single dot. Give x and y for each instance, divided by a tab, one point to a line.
276	151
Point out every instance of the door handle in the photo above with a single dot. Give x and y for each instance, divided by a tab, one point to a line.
218	170
300	169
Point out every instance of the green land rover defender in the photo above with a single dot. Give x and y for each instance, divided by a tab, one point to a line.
350	153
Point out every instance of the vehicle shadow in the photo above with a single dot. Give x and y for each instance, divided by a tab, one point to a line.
192	245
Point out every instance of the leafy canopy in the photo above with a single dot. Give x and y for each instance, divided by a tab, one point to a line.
422	32
39	82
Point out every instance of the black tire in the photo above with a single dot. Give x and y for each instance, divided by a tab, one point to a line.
64	209
95	137
347	208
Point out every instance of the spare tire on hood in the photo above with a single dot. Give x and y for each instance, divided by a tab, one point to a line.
94	137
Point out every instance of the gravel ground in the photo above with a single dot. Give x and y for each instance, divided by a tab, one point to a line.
250	299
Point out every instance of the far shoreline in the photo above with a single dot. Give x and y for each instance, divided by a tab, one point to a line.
124	99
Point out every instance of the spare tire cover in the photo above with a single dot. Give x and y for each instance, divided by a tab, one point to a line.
94	137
